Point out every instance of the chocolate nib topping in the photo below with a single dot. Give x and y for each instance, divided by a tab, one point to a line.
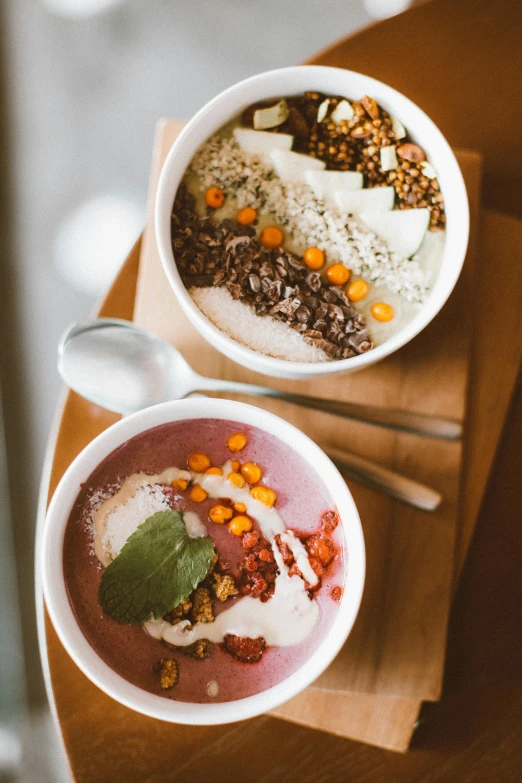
272	280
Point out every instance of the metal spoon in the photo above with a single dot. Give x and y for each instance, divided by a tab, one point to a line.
144	370
124	368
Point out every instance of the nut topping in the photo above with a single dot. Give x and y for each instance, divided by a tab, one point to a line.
411	152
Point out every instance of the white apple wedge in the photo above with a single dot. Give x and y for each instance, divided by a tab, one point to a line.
262	143
326	183
291	166
354	202
403	230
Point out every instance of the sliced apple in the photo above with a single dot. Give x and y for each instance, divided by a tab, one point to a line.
403	230
326	183
262	143
354	202
291	166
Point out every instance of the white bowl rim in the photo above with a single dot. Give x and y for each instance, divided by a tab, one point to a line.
62	615
271	84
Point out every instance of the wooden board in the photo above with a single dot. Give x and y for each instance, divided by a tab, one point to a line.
387	722
397	644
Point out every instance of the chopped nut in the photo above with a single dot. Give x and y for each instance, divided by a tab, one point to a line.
370	106
202	606
411	152
168	673
224	586
322	110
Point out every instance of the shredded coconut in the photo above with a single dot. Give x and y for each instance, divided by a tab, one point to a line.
264	334
308	219
126	518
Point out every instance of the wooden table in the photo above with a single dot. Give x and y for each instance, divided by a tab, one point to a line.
458	60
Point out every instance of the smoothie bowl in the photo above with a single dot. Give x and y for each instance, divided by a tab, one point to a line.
311	220
203	561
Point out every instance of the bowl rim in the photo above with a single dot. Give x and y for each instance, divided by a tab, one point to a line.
62	615
264	85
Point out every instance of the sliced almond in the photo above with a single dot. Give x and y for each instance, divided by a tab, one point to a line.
360	132
370	106
343	111
428	170
388	158
272	116
411	152
322	110
398	128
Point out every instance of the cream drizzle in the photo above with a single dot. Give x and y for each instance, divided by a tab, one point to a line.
287	619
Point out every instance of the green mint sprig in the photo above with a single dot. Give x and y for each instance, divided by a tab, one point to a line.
157	568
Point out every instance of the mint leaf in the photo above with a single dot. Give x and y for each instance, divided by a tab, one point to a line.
157	568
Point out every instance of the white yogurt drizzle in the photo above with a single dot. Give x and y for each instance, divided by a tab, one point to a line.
286	619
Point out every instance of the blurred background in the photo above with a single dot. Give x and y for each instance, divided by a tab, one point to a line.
84	82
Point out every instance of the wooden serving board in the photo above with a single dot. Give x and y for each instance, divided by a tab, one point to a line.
396	647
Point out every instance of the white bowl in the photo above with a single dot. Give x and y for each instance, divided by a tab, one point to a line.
334	81
60	609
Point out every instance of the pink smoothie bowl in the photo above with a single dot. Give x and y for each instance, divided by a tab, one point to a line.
62	615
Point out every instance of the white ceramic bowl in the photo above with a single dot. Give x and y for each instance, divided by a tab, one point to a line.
334	81
60	609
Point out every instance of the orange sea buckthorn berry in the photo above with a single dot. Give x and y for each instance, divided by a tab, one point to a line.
214	197
198	494
271	236
237	480
220	514
240	525
180	483
338	274
214	471
314	258
198	462
236	442
357	290
235	465
264	495
239	507
252	472
246	216
382	311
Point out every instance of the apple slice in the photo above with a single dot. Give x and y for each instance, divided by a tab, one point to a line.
326	183
258	142
403	230
370	200
291	166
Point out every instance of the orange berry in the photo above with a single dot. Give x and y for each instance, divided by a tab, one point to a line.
220	514
240	525
382	311
239	507
252	472
198	462
180	483
235	465
246	216
314	258
264	495
338	274
357	290
237	442
198	494
271	236
237	480
214	197
214	472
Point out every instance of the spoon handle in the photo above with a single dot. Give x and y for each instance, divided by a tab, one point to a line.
404	421
383	480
